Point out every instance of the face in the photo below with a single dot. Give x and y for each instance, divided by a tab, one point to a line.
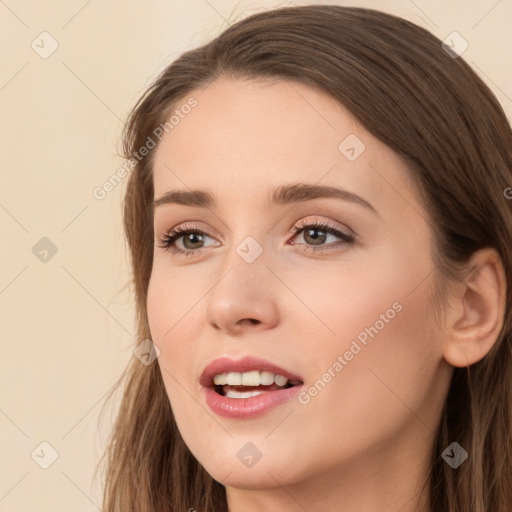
333	290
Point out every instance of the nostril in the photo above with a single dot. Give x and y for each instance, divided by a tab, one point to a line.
253	321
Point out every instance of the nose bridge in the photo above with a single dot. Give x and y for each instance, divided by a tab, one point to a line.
249	237
246	263
243	290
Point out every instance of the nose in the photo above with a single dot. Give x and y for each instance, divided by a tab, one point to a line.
243	298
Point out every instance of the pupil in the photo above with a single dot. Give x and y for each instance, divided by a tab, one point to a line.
321	238
190	238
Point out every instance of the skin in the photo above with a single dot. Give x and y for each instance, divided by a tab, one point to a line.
364	441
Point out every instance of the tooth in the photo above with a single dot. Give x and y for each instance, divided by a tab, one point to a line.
243	394
234	379
280	380
220	379
267	378
251	378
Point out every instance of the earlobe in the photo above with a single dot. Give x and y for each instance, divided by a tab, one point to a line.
476	321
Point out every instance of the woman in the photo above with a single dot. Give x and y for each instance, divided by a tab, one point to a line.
320	233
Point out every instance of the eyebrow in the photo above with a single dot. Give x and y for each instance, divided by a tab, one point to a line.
282	195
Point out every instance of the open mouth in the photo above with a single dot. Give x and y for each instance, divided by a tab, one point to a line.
249	384
248	387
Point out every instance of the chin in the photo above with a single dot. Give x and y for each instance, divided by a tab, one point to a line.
239	463
261	476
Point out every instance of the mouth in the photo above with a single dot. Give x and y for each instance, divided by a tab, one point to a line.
247	387
248	384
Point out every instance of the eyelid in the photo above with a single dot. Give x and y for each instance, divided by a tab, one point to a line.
181	230
195	226
345	236
303	223
308	221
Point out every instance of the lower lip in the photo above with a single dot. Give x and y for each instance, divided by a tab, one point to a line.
244	408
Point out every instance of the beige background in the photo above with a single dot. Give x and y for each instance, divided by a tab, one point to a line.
66	323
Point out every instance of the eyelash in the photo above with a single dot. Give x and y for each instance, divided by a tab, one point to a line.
169	238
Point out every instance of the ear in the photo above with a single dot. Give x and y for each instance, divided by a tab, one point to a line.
475	321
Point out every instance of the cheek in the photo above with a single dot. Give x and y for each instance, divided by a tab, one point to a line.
378	319
175	306
174	300
331	303
387	370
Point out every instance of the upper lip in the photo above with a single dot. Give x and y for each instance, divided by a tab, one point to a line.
244	364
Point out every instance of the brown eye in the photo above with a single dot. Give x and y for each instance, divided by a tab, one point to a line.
192	240
316	235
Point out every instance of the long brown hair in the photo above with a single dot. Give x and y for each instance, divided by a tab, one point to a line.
431	109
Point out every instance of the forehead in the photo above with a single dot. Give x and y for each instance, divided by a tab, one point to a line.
247	137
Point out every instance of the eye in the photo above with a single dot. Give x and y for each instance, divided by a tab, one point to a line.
191	236
317	233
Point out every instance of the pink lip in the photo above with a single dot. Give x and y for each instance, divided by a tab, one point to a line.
245	407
